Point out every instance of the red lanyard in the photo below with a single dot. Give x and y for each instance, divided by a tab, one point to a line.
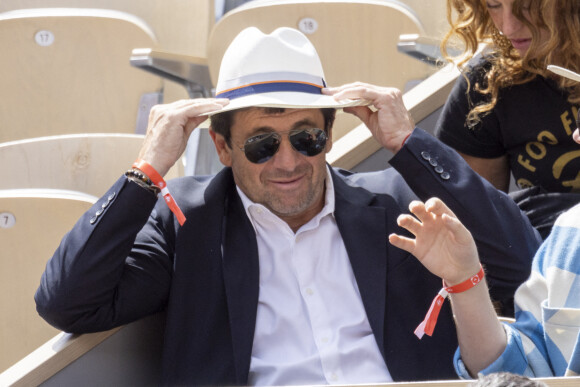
428	325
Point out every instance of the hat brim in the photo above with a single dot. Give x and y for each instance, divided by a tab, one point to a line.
288	100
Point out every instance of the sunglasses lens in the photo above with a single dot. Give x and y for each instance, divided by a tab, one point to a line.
259	149
309	142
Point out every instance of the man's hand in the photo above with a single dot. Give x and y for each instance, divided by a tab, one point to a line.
442	244
389	122
169	128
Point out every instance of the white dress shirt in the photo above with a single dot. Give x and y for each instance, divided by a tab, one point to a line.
311	326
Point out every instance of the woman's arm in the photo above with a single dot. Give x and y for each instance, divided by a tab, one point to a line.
447	249
496	170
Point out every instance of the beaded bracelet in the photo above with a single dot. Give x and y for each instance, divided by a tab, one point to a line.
158	181
142	180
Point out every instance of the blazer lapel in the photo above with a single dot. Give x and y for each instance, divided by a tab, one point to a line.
241	279
364	233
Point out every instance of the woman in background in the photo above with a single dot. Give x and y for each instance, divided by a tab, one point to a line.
508	115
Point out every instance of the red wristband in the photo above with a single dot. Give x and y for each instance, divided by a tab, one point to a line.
405	139
428	325
162	185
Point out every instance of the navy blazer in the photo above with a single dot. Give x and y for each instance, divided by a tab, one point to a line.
127	258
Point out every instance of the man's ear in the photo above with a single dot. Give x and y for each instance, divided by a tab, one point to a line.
222	148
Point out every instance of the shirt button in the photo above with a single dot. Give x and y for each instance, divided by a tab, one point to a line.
324	340
309	291
333	377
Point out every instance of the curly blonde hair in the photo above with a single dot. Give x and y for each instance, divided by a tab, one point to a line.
471	24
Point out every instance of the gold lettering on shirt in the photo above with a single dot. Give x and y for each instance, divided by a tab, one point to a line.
562	161
524	183
574	184
567	122
536	150
547	137
526	163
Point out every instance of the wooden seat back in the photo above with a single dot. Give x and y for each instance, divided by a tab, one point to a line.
67	71
32	223
87	163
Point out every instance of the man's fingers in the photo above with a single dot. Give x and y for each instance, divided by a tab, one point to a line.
195	107
361	112
358	91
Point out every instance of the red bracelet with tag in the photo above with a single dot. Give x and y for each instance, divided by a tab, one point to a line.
428	325
162	185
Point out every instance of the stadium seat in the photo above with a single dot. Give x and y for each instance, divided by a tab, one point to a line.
67	71
432	15
88	163
179	26
130	356
32	223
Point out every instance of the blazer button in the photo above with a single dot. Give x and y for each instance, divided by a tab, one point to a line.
445	175
439	169
111	197
99	212
433	162
93	220
426	155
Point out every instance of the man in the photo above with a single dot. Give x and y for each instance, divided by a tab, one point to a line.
278	269
544	340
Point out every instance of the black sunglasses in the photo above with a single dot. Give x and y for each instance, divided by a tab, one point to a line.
263	147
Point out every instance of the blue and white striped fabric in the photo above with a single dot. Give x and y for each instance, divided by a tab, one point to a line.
544	341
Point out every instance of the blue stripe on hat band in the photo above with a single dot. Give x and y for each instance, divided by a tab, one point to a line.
270	87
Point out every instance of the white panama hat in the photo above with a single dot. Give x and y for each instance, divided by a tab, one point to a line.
281	69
